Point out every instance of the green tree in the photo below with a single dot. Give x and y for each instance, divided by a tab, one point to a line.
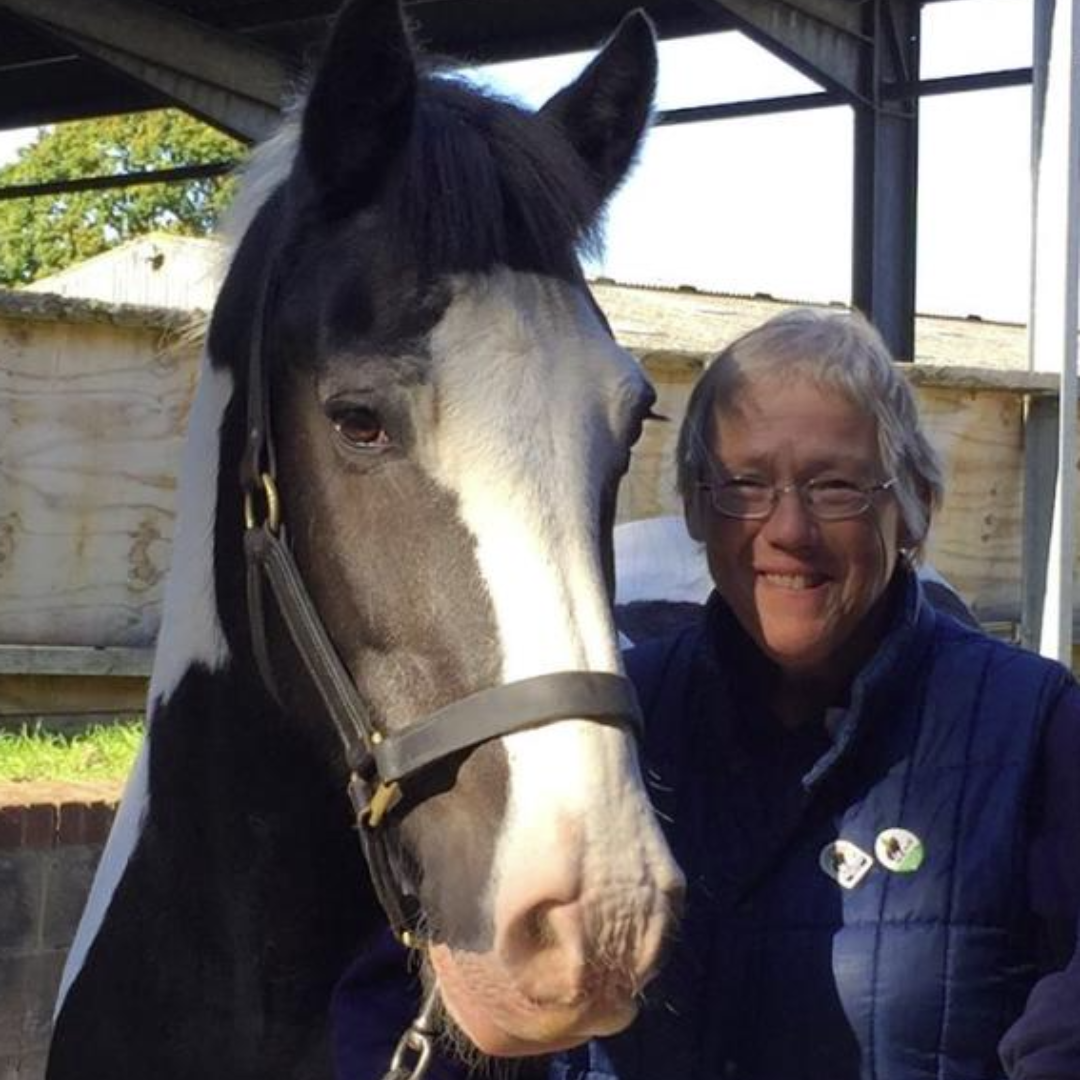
41	235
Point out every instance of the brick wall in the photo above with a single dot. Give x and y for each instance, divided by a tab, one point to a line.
48	852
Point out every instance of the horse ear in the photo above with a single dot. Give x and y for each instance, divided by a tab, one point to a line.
358	113
604	112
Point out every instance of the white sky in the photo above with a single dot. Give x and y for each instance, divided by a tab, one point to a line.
764	204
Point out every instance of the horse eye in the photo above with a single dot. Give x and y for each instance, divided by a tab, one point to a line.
359	426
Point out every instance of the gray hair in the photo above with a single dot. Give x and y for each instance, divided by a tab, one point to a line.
838	352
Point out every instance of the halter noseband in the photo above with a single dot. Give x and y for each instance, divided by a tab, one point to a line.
383	764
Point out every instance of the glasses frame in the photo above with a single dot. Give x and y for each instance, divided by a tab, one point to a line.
868	491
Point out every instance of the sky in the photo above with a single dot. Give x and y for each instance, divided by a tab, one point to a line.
763	204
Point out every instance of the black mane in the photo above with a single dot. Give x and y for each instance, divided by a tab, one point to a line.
480	182
510	189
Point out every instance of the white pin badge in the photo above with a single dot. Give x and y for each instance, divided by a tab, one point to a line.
899	850
845	862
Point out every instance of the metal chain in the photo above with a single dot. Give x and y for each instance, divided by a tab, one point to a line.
413	1054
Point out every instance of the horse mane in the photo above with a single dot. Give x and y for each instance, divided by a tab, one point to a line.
265	170
509	186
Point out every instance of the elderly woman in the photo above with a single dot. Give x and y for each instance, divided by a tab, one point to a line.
875	806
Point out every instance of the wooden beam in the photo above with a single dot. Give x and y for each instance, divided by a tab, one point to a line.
223	78
75	660
821	38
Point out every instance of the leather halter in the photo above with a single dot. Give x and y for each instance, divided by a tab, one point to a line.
383	765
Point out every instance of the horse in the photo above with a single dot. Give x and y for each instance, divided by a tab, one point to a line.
388	613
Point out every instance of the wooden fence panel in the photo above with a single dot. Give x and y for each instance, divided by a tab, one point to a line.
93	401
91	425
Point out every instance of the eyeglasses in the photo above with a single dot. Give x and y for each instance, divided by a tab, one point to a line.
826	500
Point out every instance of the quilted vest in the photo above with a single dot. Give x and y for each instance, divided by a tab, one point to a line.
779	972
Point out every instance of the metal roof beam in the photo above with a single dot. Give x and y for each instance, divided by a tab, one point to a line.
223	78
823	39
1049	560
826	99
181	174
886	179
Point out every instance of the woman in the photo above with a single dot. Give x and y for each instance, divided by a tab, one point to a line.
868	798
875	805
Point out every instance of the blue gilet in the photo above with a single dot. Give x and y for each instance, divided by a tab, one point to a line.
779	973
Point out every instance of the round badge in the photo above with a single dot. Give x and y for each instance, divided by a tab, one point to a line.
899	850
845	862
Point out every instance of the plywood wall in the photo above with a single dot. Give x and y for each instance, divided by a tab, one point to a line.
91	423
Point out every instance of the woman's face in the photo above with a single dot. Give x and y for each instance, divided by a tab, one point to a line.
806	591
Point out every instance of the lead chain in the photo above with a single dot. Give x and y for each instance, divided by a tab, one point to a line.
416	1045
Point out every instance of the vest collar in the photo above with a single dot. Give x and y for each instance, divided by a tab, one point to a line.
899	654
906	639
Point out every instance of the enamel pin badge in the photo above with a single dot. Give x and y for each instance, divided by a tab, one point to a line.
846	863
899	850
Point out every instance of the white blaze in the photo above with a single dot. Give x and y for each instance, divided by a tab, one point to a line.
526	376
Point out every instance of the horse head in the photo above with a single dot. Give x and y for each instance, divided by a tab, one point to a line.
406	345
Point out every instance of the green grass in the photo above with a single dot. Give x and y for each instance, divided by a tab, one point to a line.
99	752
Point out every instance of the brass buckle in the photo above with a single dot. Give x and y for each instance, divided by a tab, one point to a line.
384	799
272	502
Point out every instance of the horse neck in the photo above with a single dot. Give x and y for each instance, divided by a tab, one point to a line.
258	788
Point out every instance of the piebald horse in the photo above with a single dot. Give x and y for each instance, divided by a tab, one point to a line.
410	406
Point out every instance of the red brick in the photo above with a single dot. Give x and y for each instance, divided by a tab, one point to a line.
11	827
71	828
39	827
100	817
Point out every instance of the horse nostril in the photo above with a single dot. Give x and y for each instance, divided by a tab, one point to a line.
545	927
537	927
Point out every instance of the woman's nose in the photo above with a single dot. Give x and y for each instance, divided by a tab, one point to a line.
790	522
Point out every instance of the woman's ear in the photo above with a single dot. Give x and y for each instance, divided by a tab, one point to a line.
694	510
910	539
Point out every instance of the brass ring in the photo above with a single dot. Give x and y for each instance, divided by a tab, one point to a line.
273	505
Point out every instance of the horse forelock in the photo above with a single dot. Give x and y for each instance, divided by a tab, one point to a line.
511	190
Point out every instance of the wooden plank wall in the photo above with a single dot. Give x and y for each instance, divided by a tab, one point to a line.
92	411
92	416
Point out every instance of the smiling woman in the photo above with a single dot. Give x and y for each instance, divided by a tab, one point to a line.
865	794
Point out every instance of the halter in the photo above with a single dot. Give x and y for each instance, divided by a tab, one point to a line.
384	766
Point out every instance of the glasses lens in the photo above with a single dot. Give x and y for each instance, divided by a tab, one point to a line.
834	500
743	498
